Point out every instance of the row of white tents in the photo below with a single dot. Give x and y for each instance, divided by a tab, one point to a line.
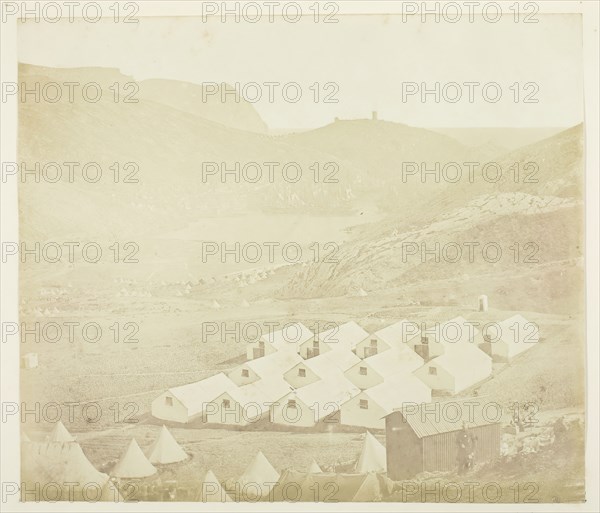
324	379
506	338
60	459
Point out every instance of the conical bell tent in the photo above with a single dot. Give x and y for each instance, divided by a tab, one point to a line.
166	449
259	477
133	463
314	468
110	492
60	434
211	490
372	457
61	464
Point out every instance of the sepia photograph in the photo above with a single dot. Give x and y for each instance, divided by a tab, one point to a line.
292	256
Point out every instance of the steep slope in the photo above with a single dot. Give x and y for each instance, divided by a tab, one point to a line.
545	219
169	147
381	150
204	102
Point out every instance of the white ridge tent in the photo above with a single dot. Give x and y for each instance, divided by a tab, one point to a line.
259	475
211	490
372	457
133	463
166	449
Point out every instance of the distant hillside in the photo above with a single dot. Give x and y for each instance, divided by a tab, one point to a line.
165	134
169	146
380	149
169	142
510	138
548	213
188	97
183	96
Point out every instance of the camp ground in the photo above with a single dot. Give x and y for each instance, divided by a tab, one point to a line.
289	338
335	391
376	369
447	360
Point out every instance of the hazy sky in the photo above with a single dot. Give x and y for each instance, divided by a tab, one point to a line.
369	57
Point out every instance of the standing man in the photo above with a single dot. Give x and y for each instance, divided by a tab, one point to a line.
465	443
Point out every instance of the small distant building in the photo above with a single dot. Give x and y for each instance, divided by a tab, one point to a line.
483	303
289	338
374	115
424	438
29	361
509	338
